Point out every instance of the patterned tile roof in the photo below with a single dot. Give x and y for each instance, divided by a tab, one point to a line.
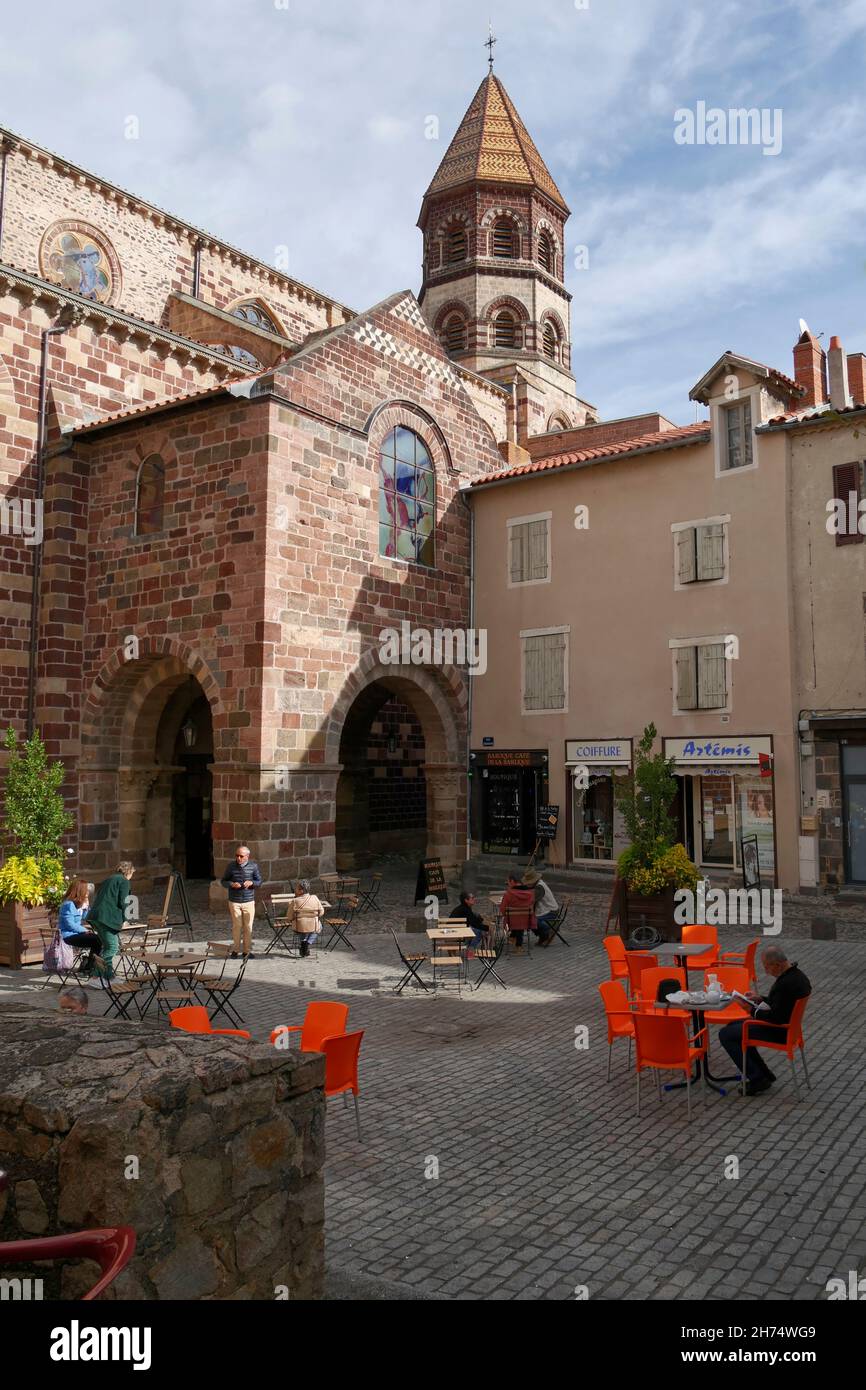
493	145
644	444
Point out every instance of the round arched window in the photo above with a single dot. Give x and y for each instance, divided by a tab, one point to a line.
456	244
149	496
505	329
505	239
545	252
407	498
550	340
455	333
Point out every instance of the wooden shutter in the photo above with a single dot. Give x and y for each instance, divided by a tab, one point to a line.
846	479
747	432
528	551
712	684
686	683
544	671
686	556
711	551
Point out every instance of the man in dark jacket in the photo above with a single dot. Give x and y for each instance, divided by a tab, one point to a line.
242	878
790	985
107	916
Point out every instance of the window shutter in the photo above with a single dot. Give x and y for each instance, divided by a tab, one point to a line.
711	552
686	556
846	479
686	688
544	671
747	432
518	548
537	550
712	688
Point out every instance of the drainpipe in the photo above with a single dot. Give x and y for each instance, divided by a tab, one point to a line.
470	678
3	158
69	317
196	269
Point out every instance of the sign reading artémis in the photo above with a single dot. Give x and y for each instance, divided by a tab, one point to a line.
728	752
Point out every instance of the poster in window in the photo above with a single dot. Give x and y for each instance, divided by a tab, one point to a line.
756	819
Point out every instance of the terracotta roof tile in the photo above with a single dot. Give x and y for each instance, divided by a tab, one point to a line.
647	443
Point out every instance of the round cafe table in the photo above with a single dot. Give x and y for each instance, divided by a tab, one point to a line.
725	1011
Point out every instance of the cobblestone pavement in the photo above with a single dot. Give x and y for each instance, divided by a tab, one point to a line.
546	1178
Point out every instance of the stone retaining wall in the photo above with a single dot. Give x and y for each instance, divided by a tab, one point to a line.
226	1136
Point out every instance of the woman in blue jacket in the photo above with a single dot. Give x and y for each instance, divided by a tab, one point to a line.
70	920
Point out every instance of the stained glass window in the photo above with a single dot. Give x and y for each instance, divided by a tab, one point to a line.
407	498
149	496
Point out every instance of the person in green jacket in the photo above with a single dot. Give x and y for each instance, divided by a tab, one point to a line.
108	914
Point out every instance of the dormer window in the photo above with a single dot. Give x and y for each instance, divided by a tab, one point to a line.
736	423
505	242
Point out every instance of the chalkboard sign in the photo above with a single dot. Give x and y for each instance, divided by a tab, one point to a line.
547	821
431	879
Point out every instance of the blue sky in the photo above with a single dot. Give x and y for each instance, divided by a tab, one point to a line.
304	126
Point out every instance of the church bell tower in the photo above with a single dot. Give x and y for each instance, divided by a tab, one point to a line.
493	290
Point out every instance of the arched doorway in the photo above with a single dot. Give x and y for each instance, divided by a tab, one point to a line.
396	743
382	789
146	783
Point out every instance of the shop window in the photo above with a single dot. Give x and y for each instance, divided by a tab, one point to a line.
545	670
407	498
529	550
701	676
846	480
701	553
593	818
149	497
736	422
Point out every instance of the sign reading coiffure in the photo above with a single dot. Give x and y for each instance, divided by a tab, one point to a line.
718	752
610	751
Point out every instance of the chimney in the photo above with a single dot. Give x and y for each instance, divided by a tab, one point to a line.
838	369
810	368
857	377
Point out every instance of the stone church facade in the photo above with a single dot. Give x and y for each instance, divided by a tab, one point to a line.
220	486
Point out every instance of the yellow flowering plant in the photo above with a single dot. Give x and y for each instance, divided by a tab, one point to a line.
32	882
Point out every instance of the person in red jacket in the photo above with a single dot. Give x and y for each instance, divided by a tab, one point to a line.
519	899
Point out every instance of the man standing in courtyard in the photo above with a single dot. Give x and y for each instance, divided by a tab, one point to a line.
790	984
242	878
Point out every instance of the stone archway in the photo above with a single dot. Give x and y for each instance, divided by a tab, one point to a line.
437	702
132	774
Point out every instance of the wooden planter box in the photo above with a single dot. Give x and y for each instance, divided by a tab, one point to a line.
657	911
20	941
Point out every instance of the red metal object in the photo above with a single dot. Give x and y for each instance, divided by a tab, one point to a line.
111	1248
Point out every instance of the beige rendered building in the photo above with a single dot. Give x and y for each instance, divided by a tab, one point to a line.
645	572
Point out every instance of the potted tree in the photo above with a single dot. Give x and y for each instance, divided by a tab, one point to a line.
654	865
32	883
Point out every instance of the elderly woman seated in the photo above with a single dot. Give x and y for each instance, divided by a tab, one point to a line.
306	909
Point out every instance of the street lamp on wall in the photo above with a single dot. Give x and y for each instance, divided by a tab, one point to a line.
190	733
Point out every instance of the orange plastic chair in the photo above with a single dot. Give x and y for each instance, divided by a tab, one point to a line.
707	959
662	1043
729	977
649	986
637	962
791	1036
323	1019
620	1019
746	958
341	1068
194	1018
615	948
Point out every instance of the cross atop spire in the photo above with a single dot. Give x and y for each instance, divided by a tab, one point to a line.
490	44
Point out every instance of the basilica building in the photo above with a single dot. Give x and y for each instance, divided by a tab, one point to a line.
220	486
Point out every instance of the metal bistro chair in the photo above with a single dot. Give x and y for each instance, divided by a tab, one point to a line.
519	919
271	903
221	986
561	914
411	964
368	896
47	935
490	956
341	924
151	941
120	994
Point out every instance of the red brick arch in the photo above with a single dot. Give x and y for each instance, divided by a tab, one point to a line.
438	697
